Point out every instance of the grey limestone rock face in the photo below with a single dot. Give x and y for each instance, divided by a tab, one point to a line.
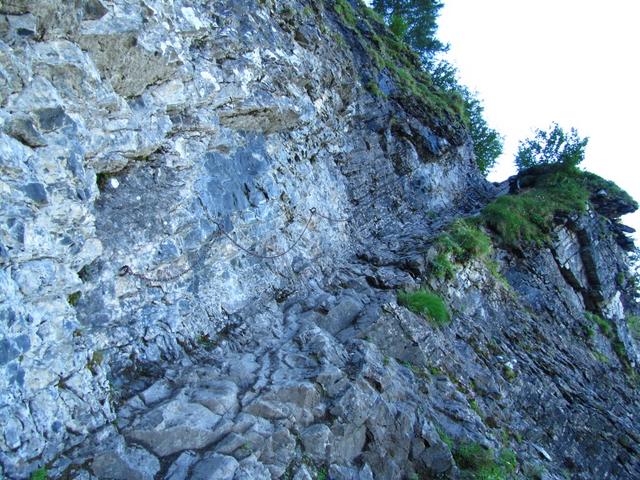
204	220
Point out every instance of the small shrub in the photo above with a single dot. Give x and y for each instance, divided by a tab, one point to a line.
427	304
552	146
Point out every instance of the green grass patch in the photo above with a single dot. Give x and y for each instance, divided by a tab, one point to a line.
483	464
374	89
427	304
446	439
74	298
372	15
634	326
529	216
604	325
462	241
601	357
40	474
596	183
346	12
473	403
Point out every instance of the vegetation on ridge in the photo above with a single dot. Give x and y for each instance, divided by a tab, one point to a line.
551	185
528	217
406	51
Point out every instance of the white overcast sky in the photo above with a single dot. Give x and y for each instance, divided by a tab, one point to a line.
576	62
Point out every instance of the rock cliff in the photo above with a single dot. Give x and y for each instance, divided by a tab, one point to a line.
208	209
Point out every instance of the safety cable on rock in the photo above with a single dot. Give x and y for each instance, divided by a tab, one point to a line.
312	212
127	270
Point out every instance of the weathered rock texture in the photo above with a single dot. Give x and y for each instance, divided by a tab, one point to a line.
143	141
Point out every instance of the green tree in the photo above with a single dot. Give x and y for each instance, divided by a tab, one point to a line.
487	142
419	23
552	146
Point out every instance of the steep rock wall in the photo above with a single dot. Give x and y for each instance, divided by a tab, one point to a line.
133	133
165	137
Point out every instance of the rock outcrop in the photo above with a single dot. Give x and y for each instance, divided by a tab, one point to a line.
207	210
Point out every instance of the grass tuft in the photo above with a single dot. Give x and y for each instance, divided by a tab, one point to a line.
427	304
634	326
604	325
482	462
462	241
345	11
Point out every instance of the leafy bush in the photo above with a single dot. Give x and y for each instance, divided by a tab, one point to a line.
427	304
554	146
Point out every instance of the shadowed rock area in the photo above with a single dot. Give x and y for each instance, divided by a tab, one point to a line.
207	213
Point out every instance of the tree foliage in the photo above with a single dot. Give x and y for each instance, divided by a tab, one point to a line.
487	142
552	146
415	21
418	22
